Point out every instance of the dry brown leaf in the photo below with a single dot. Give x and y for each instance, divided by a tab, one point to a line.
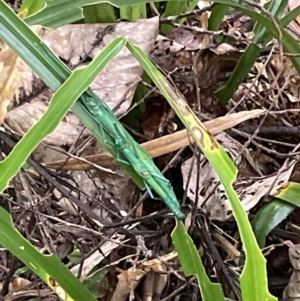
117	82
154	285
163	145
130	278
292	290
186	38
211	194
115	85
22	118
97	257
18	283
11	72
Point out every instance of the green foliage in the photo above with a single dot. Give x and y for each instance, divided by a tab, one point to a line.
275	211
264	30
74	86
49	267
30	7
192	264
254	271
60	79
99	13
268	217
133	12
114	135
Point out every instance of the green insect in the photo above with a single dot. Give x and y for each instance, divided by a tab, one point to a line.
129	151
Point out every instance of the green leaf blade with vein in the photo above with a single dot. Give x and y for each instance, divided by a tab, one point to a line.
268	217
30	7
275	211
254	278
49	68
290	45
192	264
48	267
145	174
61	102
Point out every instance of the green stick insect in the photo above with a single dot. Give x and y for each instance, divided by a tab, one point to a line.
114	135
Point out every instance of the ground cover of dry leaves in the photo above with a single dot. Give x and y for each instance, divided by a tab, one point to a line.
136	255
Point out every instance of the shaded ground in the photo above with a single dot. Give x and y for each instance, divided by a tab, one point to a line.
43	203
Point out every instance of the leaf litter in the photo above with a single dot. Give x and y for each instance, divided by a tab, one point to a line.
56	225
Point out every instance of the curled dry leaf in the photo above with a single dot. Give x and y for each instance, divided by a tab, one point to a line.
11	72
292	290
160	146
22	118
115	85
211	194
130	278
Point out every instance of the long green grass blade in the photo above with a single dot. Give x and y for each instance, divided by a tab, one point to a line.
101	121
264	30
268	217
253	279
61	102
48	267
50	69
192	264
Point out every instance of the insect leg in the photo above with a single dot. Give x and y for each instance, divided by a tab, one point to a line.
160	177
149	190
121	160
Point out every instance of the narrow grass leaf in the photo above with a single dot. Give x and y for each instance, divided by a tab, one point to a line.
192	264
50	69
268	217
47	267
61	102
246	62
133	12
253	279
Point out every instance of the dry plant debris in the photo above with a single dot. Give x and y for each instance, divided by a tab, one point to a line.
45	213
